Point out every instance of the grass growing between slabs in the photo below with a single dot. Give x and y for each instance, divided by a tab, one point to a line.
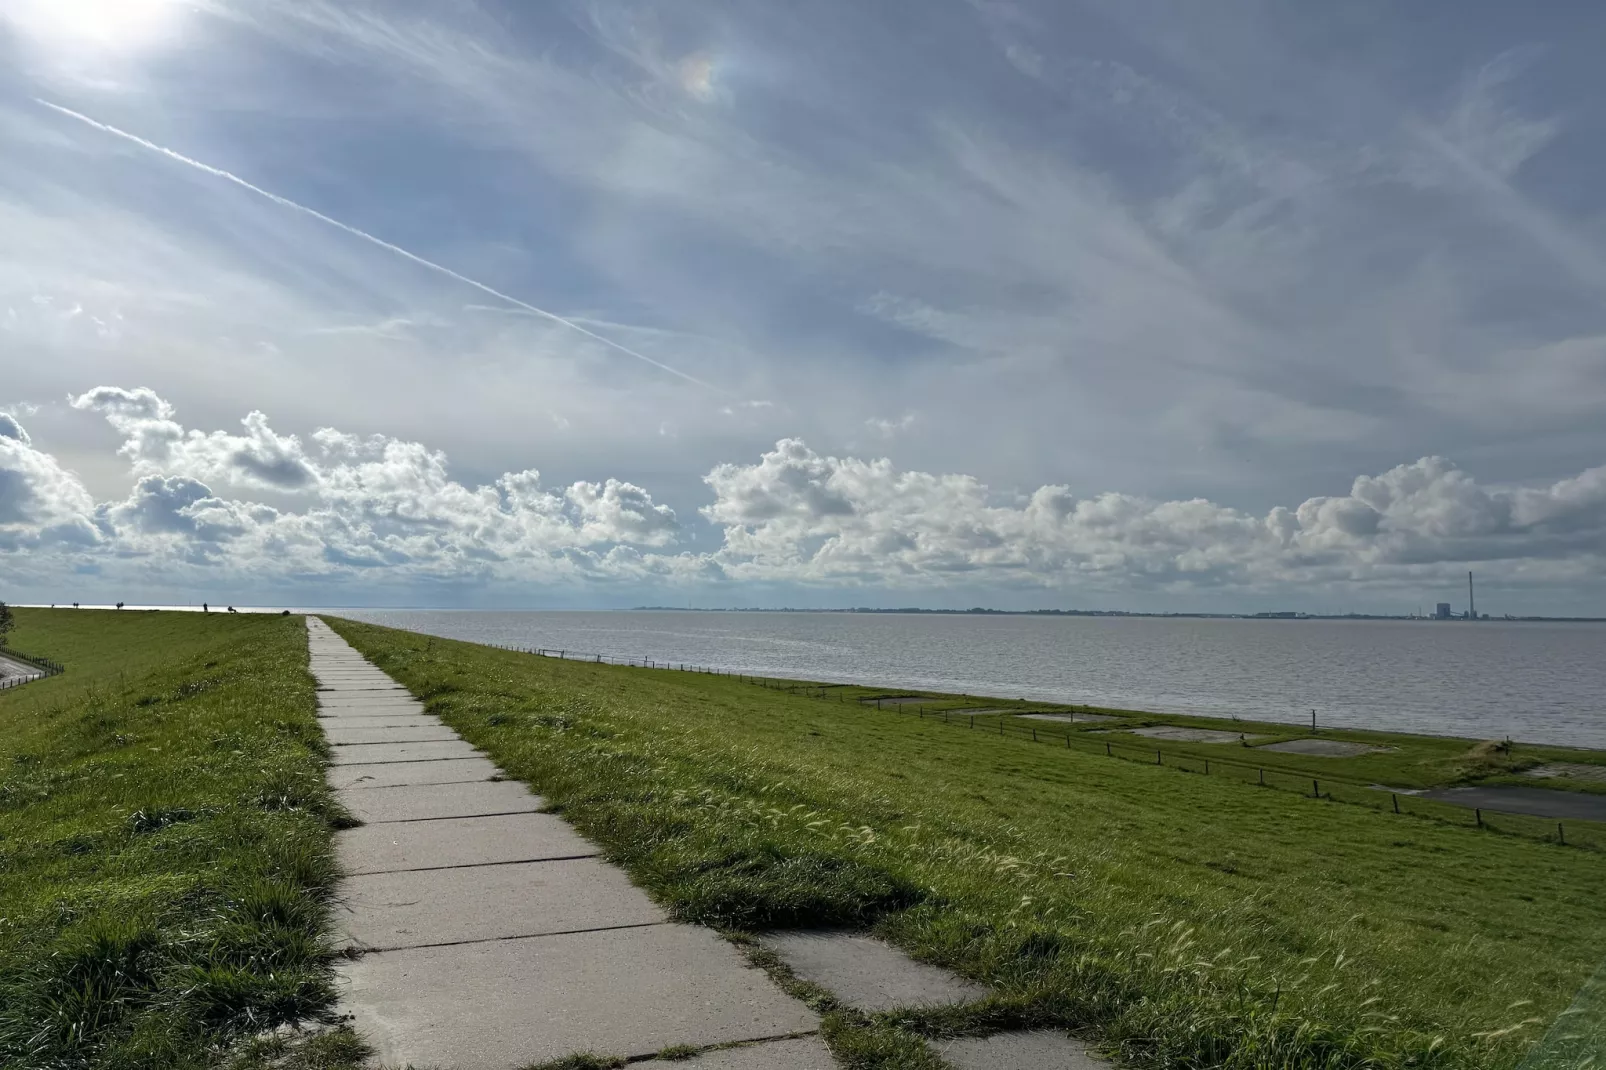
165	845
1185	920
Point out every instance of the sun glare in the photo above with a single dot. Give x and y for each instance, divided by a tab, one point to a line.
110	25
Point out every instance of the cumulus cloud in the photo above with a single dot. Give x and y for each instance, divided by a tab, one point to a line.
41	503
799	515
381	510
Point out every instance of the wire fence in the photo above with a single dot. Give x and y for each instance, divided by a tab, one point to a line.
45	666
1005	722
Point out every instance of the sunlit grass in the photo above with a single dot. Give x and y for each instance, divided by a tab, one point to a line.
1186	920
165	858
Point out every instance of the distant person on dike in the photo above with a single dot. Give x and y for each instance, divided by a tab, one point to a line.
205	608
233	610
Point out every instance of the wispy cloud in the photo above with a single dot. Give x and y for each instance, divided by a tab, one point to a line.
285	202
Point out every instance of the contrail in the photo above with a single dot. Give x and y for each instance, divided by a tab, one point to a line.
367	237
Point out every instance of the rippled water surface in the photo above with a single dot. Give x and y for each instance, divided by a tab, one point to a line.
1541	682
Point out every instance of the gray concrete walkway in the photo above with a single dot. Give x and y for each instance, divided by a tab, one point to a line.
490	935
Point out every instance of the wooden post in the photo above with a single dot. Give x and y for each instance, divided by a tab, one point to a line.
1207	767
1157	760
1560	835
1313	722
1315	790
1477	815
1034	735
1262	778
1396	799
1108	753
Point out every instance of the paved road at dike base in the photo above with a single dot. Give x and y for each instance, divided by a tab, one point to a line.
491	935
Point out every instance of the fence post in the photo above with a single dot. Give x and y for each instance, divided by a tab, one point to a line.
1262	778
1396	799
1108	753
1157	760
973	720
1034	735
1560	835
1067	741
1315	790
1477	815
1207	767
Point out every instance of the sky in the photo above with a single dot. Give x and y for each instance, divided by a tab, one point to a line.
1020	303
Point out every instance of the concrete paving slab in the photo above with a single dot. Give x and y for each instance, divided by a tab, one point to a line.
390	774
370	753
1036	1050
397	720
389	709
799	1053
345	737
365	700
430	802
867	973
508	1003
457	841
445	906
1071	717
1179	734
1323	748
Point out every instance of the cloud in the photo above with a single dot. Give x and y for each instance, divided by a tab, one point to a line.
42	505
801	516
383	511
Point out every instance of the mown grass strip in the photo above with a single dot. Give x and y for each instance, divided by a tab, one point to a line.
165	846
1183	920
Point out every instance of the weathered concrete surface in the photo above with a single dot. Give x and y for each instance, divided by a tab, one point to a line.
468	841
443	906
508	1003
799	1053
389	774
421	733
395	720
339	700
431	802
1071	717
1537	802
1570	770
1323	748
389	709
401	752
1019	1051
868	974
1178	734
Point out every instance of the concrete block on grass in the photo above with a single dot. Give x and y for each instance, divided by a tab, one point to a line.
431	802
458	841
401	752
509	1003
389	774
1037	1050
444	906
868	974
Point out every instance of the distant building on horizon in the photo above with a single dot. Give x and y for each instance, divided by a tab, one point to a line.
1442	611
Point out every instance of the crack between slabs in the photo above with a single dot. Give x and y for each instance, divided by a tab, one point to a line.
472	865
365	951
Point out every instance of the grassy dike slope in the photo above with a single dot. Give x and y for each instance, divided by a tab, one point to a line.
165	841
1191	921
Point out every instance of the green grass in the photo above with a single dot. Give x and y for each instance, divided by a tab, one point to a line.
1406	760
165	845
1183	920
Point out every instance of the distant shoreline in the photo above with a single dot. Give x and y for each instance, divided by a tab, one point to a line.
980	612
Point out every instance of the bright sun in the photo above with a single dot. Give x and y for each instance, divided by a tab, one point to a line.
116	25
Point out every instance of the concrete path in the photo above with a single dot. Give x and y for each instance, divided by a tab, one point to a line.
490	935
